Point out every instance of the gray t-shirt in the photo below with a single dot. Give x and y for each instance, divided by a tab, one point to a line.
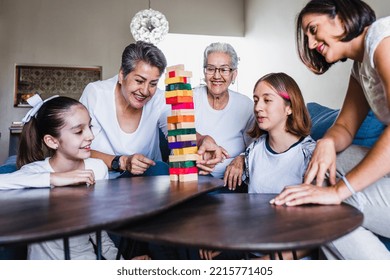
269	172
365	72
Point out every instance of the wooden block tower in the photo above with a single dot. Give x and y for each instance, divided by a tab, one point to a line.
181	125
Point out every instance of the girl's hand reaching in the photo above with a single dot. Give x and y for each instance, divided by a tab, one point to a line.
233	173
74	177
306	193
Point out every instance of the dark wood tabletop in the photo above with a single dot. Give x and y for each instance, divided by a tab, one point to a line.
31	215
245	222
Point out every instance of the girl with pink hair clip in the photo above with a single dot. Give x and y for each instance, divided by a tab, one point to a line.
283	147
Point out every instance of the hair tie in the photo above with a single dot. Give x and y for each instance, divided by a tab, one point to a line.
284	95
36	102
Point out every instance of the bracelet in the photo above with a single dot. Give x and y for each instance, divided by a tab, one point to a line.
348	184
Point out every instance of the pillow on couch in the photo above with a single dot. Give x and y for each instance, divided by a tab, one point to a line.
9	166
323	117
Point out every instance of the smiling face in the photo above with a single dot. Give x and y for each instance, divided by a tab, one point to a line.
76	135
218	83
324	35
270	109
139	86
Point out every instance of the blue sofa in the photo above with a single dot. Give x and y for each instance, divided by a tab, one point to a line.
323	117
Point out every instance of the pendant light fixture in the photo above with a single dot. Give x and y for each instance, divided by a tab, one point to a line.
149	25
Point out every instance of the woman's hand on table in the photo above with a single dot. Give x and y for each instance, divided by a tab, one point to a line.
306	193
233	173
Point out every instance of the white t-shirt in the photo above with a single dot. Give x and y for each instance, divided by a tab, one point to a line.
269	172
228	127
37	174
365	72
99	98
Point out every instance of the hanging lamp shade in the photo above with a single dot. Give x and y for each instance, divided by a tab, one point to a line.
149	25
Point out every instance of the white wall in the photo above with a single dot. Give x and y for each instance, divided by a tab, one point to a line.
90	32
188	50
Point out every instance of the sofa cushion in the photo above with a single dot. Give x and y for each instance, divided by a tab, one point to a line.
323	117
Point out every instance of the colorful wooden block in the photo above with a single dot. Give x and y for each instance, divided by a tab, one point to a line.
186	137
181	131
177	86
178	73
189	157
184	170
180	145
182	164
181	118
171	126
185	151
174	67
185	125
172	138
183	112
173	93
188	177
183	106
173	177
175	80
179	99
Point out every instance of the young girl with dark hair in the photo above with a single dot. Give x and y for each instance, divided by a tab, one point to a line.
54	148
55	151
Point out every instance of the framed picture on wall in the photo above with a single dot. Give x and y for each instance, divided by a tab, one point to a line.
49	80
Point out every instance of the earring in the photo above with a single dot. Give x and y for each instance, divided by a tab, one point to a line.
233	82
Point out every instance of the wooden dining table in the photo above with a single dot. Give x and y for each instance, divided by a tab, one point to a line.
245	222
34	215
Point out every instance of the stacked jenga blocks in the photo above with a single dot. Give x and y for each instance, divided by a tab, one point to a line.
181	125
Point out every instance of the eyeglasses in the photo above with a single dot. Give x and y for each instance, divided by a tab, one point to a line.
224	71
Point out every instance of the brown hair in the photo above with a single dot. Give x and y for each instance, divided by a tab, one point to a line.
48	120
299	122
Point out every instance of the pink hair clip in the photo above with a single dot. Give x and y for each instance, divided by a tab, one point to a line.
284	95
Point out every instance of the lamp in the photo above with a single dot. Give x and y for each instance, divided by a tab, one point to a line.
149	25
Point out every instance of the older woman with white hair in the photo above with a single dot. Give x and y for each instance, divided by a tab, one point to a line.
222	113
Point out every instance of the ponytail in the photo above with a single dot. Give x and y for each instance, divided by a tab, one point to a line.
30	145
47	119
